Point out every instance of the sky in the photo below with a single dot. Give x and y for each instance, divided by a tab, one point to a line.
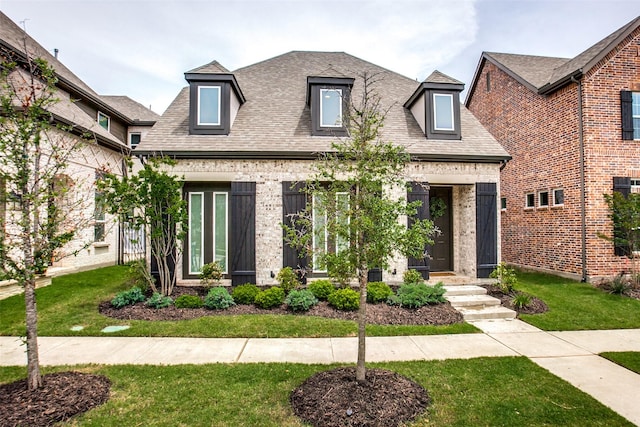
142	48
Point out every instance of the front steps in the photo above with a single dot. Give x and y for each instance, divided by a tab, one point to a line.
474	303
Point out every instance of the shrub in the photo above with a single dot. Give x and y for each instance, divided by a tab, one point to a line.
128	297
188	301
245	294
288	279
140	276
412	276
378	292
269	298
416	295
345	299
322	288
218	298
521	300
301	300
211	274
618	286
506	277
158	301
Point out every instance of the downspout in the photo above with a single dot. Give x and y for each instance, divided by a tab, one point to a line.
583	197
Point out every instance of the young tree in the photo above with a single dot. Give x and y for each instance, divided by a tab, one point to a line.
151	199
349	198
624	213
34	159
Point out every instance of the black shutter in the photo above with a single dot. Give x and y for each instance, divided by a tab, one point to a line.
243	232
486	228
420	191
294	200
627	114
621	185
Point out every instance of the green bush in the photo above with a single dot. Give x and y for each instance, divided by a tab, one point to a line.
521	300
245	294
321	288
345	299
158	301
128	297
140	276
301	300
412	276
211	274
270	298
218	298
506	277
378	292
188	301
288	279
416	295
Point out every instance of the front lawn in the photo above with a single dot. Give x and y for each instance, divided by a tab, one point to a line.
72	301
577	306
477	392
627	359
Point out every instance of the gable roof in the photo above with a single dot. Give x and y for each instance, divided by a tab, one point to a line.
275	121
213	67
543	74
439	77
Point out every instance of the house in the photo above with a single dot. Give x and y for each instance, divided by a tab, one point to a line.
243	139
115	125
572	126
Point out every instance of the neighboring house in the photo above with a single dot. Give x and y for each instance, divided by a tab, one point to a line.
244	141
112	123
572	126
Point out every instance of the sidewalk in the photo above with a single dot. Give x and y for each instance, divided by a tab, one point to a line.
571	356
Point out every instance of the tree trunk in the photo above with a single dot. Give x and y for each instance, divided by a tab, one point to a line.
34	379
362	325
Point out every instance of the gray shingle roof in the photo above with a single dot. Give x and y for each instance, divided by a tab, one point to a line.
132	109
438	77
213	67
276	119
544	74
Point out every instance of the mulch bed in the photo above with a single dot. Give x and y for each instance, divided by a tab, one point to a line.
335	398
536	306
63	395
377	314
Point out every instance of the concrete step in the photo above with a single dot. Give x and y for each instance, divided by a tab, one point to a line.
469	301
486	313
458	290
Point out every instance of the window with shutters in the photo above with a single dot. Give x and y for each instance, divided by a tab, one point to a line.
630	114
323	242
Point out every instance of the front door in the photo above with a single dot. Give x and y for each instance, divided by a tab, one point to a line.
440	209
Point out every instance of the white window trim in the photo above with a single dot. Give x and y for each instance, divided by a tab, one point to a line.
540	205
226	231
635	185
200	122
134	133
340	106
526	200
505	204
201	194
634	116
435	112
553	196
100	113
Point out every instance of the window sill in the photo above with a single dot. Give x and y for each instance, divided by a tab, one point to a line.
100	244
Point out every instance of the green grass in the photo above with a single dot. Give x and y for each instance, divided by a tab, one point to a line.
577	306
72	300
477	392
627	359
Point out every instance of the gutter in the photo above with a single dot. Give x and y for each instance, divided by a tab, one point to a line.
583	198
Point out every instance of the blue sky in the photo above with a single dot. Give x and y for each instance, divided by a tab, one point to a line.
141	48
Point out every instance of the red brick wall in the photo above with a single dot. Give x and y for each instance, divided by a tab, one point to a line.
541	134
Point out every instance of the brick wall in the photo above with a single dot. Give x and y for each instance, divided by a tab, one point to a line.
541	134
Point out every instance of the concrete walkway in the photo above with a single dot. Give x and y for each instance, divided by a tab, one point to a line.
571	356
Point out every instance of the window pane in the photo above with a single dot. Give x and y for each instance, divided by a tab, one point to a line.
443	111
342	214
635	102
196	252
530	200
543	198
558	197
134	139
319	232
103	120
636	128
209	105
331	107
220	229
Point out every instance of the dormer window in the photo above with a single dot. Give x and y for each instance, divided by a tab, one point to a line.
328	101
104	120
436	106
214	101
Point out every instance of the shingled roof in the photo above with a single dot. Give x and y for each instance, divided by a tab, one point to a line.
275	121
134	110
544	74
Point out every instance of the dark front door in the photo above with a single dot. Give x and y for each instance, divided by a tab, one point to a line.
442	249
